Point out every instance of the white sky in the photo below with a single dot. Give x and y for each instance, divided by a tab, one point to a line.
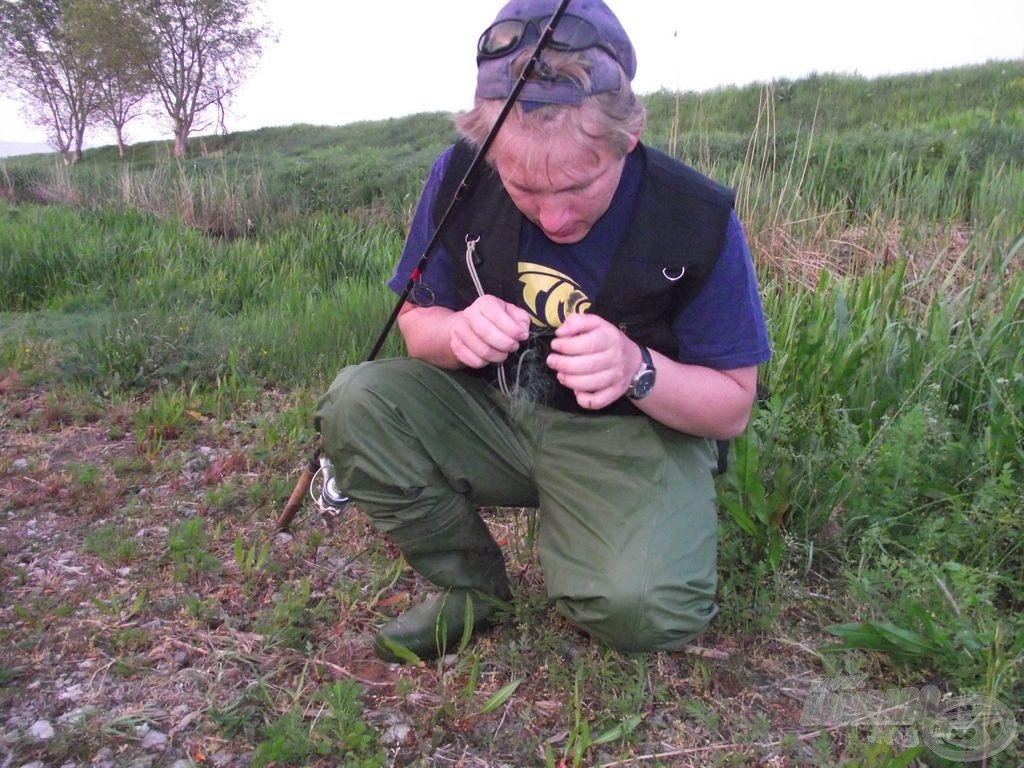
343	61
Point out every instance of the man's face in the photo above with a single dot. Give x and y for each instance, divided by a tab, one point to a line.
565	191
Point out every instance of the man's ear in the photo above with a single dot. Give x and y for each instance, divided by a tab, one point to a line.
635	138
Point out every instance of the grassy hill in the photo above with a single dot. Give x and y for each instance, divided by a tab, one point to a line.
843	131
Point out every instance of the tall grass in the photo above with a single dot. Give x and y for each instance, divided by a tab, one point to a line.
173	302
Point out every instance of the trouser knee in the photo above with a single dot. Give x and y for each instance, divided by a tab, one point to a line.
355	395
644	620
390	427
364	433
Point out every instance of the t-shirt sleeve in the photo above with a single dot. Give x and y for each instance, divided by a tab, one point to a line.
435	284
724	326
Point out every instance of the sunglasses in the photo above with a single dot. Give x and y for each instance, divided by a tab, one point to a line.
573	33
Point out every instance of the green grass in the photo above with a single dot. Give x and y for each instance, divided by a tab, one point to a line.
883	468
130	300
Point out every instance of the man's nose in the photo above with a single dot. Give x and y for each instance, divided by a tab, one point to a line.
553	217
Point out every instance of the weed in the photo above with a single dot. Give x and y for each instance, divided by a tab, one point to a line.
290	622
271	492
341	725
205	611
338	731
286	742
758	513
222	497
166	416
119	607
112	544
130	466
250	559
580	741
187	543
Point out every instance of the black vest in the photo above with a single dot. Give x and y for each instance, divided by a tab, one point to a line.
678	227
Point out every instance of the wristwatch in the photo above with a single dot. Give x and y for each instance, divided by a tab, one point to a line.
643	379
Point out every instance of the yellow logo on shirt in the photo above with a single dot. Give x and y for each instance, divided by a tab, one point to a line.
550	296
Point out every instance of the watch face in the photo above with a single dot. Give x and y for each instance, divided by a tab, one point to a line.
642	384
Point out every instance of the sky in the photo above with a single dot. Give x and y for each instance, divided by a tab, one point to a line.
341	62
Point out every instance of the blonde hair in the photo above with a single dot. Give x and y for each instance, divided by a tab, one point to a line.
612	120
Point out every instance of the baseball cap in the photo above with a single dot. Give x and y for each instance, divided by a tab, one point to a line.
587	25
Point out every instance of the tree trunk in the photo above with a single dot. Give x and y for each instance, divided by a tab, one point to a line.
180	141
79	140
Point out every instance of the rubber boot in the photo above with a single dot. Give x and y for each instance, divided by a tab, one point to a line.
468	565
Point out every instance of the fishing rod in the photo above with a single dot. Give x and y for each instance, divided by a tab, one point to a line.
333	498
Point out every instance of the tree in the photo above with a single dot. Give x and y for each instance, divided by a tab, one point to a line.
203	52
42	55
117	34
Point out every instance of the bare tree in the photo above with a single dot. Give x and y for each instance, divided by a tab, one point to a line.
204	49
42	55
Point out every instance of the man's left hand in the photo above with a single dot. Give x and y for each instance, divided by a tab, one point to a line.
594	359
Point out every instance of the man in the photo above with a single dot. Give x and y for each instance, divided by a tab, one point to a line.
588	327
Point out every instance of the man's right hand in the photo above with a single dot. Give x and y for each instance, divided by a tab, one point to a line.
488	331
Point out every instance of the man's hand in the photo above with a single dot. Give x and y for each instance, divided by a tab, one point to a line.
488	331
594	359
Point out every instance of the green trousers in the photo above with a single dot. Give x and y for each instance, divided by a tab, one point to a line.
627	533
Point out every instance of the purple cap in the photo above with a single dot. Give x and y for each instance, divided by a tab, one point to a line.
495	80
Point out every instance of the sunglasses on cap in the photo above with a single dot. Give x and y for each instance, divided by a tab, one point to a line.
573	33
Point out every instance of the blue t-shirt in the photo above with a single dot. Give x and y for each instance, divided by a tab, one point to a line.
722	328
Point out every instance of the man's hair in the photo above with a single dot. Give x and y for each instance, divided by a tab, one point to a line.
610	119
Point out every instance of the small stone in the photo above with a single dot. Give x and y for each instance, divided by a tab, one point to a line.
76	715
42	730
397	734
154	741
71	693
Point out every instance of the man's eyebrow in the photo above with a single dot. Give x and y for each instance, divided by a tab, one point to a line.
583	184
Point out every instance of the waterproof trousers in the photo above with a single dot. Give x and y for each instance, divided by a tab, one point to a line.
627	526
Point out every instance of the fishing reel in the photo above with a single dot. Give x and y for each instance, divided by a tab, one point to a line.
329	499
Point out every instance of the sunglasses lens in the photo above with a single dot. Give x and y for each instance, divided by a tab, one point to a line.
574	34
500	38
